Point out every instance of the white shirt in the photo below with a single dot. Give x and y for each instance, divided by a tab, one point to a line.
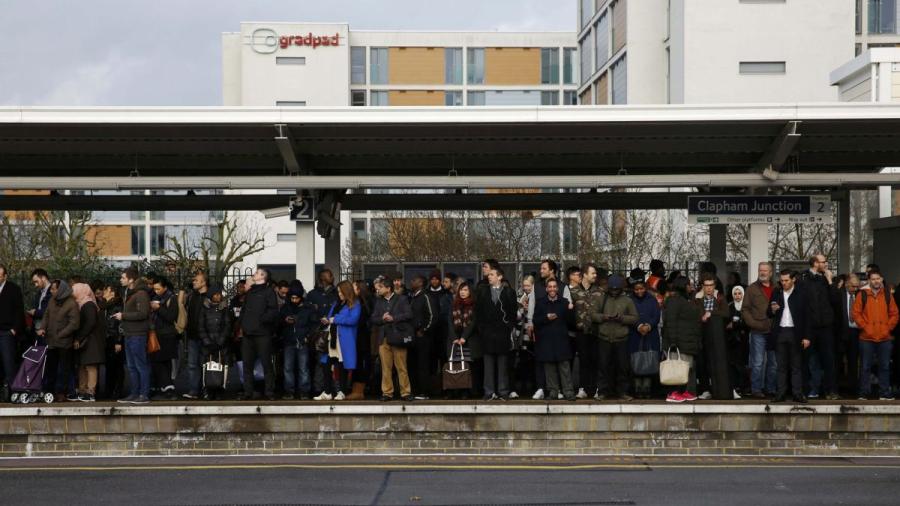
1	286
850	299
787	320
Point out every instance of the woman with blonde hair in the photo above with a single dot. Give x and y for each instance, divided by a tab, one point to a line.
340	361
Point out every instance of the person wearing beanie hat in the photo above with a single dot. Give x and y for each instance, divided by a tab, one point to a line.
296	321
613	316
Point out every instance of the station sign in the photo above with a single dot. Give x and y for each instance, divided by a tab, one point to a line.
763	209
302	209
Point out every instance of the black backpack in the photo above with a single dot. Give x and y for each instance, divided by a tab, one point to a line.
887	298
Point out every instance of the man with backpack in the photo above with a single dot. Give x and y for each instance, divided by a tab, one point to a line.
875	313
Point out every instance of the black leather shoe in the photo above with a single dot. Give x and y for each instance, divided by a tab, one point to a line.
407	398
386	398
800	399
779	398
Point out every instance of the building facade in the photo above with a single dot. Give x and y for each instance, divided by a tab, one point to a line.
877	24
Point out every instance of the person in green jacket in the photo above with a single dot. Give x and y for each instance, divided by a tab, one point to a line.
613	315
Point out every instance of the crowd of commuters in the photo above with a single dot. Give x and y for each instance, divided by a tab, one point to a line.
562	335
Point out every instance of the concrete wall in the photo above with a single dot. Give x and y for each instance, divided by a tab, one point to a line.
813	37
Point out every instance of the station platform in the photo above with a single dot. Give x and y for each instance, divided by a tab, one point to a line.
521	428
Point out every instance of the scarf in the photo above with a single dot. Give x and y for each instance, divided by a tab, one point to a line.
738	289
83	294
462	312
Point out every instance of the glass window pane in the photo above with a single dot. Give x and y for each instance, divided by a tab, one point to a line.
379	65
585	46
549	237
137	240
601	40
476	98
620	82
453	69
475	65
358	98
762	67
379	98
549	65
587	11
357	65
549	98
569	65
570	236
453	98
570	98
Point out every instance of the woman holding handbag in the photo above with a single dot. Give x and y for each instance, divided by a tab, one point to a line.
643	340
462	341
340	361
163	315
682	331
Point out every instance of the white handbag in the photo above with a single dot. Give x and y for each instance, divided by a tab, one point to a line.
674	371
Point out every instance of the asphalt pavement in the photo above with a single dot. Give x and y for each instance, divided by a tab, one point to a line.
459	480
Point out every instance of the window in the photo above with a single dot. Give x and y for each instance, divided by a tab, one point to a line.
569	65
358	98
587	12
570	236
882	16
290	60
475	65
858	17
379	98
570	98
358	229
286	237
379	65
453	98
453	65
762	67
549	65
550	237
380	232
476	98
586	59
601	39
549	98
620	82
157	239
618	26
290	103
138	241
357	65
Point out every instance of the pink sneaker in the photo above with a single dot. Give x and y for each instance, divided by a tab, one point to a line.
689	397
674	397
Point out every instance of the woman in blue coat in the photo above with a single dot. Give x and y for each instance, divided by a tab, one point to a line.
644	335
340	361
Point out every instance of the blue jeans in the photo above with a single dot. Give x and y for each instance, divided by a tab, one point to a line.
881	352
296	361
761	357
194	361
138	366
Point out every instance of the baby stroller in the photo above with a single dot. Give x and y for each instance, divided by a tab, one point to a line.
28	384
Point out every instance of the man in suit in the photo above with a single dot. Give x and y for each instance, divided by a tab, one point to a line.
791	329
847	333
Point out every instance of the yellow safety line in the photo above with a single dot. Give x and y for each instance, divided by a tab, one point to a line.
447	467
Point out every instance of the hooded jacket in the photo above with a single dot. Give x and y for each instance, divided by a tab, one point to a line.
62	318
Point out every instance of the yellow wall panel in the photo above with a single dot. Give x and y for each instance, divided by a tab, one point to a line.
602	87
512	65
110	240
412	97
416	65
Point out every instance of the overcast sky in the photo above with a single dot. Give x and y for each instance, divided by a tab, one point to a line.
168	52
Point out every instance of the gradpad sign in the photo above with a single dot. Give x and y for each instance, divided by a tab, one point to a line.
777	209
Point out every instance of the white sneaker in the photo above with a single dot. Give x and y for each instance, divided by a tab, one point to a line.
324	396
513	395
538	395
581	394
705	396
339	396
560	396
736	395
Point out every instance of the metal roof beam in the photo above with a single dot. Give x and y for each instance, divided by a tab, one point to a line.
777	153
285	142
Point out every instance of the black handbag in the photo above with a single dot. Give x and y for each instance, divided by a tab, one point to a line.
319	339
644	362
400	336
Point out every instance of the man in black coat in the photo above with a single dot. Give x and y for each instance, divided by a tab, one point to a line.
791	330
553	347
12	325
821	300
495	318
847	336
259	317
424	313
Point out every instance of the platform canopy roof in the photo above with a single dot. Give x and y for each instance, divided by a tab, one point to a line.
813	146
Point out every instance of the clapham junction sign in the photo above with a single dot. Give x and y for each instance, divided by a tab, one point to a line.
787	209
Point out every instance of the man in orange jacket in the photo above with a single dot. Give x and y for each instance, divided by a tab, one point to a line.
875	312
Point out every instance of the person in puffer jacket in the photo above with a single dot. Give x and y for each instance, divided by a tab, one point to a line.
297	320
215	330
